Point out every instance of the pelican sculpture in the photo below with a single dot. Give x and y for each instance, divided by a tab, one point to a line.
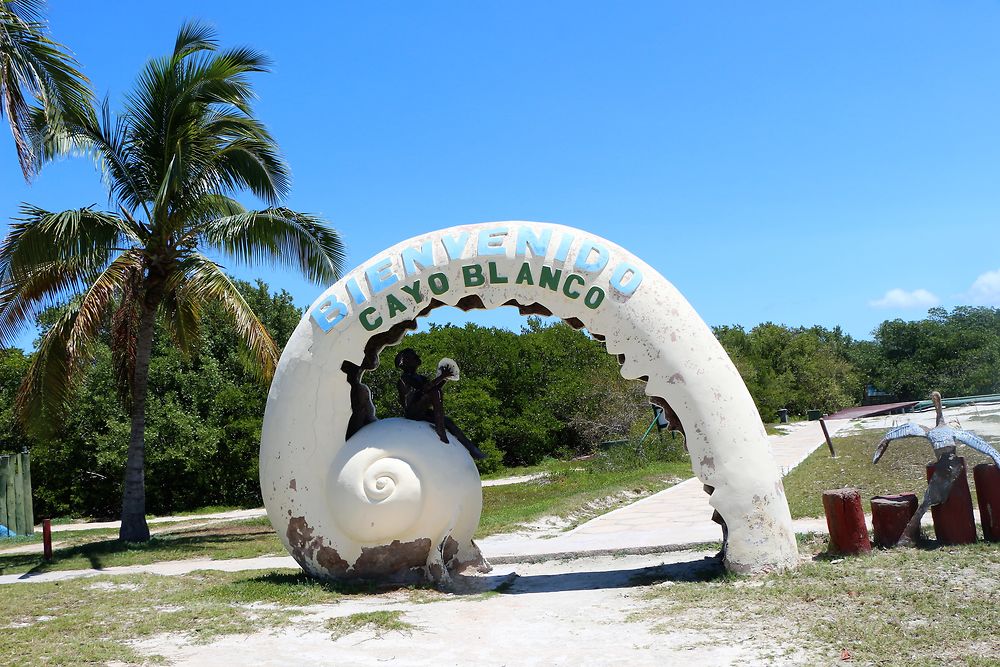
947	467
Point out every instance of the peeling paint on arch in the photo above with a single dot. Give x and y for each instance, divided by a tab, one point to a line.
435	492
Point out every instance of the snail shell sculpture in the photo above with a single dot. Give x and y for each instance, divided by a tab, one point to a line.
356	497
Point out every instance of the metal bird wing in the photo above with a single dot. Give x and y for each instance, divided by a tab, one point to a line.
977	443
908	430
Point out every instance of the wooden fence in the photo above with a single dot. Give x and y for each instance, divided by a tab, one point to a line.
16	511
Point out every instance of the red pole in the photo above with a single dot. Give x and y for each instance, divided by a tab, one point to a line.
890	514
47	538
954	522
846	521
987	477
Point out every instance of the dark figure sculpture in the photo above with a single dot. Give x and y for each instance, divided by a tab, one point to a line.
422	399
946	469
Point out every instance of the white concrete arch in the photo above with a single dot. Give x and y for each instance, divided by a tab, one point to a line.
392	498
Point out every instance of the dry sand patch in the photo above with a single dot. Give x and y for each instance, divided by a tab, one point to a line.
568	612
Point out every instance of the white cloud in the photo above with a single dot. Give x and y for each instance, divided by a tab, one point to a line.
900	298
985	291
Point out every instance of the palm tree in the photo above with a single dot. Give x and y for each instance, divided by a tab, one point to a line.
33	66
185	144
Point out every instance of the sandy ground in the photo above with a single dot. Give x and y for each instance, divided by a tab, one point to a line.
570	612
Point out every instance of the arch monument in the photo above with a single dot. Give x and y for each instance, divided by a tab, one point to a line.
356	497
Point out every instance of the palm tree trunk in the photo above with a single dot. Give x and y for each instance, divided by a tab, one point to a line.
133	527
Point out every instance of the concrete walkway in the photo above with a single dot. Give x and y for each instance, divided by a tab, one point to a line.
676	516
232	515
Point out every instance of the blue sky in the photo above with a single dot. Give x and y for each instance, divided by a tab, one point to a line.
791	162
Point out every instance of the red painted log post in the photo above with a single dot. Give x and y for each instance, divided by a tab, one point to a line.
47	538
987	478
890	514
954	521
846	521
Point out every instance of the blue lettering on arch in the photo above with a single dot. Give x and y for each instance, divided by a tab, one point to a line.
454	246
563	250
588	248
381	276
491	241
419	256
329	313
355	291
618	277
526	238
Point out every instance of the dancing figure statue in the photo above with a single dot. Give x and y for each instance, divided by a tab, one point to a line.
947	467
422	398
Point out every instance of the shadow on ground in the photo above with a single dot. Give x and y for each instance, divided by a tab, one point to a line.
236	542
703	569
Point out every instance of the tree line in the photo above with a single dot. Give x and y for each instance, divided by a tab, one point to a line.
547	390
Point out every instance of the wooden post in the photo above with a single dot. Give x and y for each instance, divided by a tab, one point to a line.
890	514
9	493
18	495
47	538
29	507
954	521
826	434
4	469
987	478
846	521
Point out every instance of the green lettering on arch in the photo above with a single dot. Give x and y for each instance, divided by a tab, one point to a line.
473	276
395	305
549	278
570	279
366	323
524	275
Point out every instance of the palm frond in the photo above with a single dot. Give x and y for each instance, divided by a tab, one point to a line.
39	237
280	236
182	314
48	384
124	330
29	11
194	36
105	140
170	112
33	67
25	296
203	281
49	257
123	274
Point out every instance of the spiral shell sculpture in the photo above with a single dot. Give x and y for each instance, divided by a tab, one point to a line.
356	497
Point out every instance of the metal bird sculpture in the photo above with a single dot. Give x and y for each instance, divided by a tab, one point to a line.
947	467
941	436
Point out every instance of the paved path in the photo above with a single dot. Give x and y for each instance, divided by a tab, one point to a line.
675	516
232	515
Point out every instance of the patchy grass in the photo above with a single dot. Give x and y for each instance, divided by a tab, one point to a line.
899	607
900	470
379	622
97	620
234	539
92	620
547	465
588	488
